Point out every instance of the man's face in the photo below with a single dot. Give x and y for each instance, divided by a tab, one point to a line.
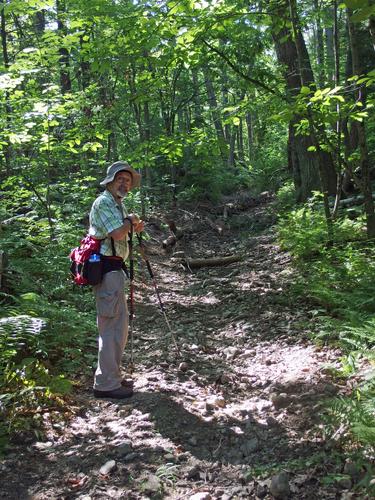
121	184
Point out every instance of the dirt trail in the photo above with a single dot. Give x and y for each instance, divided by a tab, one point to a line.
245	398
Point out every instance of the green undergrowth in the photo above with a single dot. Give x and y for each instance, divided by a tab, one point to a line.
339	282
330	465
47	336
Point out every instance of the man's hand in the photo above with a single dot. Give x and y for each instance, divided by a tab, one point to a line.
138	224
131	221
138	228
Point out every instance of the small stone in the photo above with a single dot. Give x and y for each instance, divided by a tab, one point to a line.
220	402
152	484
250	446
248	353
183	367
41	445
124	412
193	441
261	490
345	483
193	473
330	389
203	495
124	448
279	486
272	422
348	495
107	467
210	405
279	401
131	456
224	378
231	352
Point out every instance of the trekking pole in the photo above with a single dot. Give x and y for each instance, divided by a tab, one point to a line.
152	276
131	297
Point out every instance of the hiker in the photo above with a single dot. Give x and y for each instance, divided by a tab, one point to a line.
110	221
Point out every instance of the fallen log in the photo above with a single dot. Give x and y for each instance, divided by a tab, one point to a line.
213	261
174	236
169	242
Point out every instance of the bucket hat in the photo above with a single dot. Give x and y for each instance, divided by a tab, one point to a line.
121	166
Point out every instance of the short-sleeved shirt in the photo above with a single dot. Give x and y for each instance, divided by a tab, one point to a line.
106	215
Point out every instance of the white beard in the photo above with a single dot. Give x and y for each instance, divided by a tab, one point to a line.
121	193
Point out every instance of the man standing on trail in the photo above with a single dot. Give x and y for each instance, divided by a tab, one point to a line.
110	222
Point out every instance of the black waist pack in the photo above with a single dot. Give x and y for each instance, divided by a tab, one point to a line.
112	264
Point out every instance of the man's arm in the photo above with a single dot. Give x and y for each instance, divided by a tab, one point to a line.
122	231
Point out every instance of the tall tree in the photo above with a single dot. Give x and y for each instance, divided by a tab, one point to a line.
358	127
8	109
292	54
65	81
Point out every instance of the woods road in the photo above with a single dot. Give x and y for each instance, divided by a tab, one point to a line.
236	416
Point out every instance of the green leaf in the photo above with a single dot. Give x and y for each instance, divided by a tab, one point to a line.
30	297
305	90
355	4
363	14
60	385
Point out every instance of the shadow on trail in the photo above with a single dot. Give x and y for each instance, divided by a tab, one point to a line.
226	439
169	428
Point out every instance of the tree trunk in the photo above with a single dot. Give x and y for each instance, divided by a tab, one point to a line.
84	67
371	25
232	144
39	22
250	135
65	81
330	55
225	102
240	145
361	132
305	76
319	45
147	130
212	101
198	118
340	174
8	109
304	165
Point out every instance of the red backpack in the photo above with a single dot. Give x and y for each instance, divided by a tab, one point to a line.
86	271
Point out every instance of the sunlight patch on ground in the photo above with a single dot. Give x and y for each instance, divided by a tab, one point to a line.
289	363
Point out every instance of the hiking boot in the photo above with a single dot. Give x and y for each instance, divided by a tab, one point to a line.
120	393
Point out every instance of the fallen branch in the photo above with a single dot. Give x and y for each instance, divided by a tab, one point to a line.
214	261
169	242
217	226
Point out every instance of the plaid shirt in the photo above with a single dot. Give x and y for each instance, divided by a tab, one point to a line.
106	216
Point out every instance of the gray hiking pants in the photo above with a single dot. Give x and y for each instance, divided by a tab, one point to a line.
112	320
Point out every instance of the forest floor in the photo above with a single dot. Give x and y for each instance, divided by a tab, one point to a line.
238	415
